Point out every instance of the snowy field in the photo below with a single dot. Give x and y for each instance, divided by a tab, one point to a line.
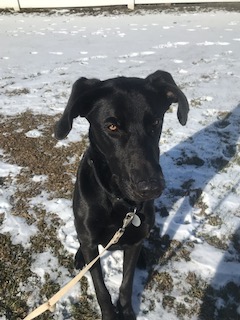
194	250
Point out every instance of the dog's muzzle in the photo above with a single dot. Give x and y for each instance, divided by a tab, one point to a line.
150	189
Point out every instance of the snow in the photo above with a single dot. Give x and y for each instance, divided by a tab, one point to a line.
45	54
8	169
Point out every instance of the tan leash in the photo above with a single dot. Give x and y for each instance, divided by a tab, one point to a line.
50	304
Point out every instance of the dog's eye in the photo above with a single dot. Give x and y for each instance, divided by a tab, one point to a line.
113	127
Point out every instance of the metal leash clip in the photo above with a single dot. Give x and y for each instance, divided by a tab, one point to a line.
128	218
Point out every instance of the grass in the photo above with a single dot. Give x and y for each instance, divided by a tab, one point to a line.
160	281
20	286
87	304
15	269
16	92
37	157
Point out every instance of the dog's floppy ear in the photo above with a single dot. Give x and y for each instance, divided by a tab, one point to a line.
162	80
77	105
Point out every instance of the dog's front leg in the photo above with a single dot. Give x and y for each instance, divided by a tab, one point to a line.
103	296
131	255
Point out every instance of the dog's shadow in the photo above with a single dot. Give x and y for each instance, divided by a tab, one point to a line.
188	168
223	301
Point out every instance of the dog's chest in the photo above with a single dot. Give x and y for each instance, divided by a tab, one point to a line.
136	231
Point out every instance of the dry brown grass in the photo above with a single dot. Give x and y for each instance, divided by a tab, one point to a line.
36	156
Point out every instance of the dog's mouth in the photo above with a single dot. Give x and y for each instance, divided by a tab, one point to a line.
143	190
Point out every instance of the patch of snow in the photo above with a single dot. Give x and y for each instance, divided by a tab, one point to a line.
201	51
7	169
33	133
39	178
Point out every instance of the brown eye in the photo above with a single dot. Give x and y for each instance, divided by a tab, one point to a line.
112	127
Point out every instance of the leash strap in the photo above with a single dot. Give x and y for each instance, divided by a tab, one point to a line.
50	304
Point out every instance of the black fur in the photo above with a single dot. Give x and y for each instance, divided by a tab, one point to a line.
120	170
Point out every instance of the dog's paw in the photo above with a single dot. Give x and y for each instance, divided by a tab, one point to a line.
79	262
125	313
111	315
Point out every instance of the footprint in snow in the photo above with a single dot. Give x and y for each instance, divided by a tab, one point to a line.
147	53
209	43
136	54
177	61
138	61
167	27
99	57
56	52
182	71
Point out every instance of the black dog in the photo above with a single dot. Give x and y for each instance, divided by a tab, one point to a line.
120	170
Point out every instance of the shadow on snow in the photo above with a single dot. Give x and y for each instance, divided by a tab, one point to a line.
188	168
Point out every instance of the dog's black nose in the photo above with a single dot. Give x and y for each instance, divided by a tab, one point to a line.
150	189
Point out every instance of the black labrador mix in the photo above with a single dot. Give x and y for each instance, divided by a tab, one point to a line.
120	170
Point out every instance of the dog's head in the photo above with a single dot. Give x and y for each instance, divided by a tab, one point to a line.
126	117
